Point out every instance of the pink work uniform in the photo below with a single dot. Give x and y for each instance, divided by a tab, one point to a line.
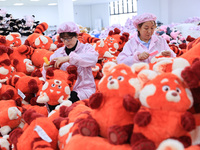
83	57
134	47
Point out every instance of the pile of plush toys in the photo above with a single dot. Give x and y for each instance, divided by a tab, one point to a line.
153	106
24	26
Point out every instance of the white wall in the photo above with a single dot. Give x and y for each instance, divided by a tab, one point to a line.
170	11
100	11
86	15
82	15
183	9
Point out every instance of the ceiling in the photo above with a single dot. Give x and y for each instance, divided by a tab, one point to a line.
7	3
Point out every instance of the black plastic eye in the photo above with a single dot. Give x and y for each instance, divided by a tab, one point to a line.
110	78
120	78
165	88
178	90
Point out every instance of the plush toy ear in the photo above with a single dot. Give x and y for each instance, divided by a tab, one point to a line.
116	31
30	115
137	67
169	64
146	75
178	72
58	120
14	135
107	67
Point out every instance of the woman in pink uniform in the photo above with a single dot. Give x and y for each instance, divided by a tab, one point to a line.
83	56
145	44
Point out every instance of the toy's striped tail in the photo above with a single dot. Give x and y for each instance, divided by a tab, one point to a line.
41	28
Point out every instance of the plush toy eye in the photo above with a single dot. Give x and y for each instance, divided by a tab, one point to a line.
59	87
109	78
53	85
178	90
120	78
165	88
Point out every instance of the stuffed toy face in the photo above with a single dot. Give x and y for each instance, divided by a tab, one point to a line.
54	92
21	62
102	48
166	92
13	39
37	40
117	78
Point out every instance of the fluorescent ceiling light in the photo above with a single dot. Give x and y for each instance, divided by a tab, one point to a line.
51	4
73	0
2	0
18	4
34	0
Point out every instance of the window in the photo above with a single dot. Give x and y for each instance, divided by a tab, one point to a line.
121	10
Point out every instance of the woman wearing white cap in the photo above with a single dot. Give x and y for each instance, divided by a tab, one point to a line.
83	56
144	45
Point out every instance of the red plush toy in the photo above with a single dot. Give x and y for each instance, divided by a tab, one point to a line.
165	100
191	75
115	41
38	133
13	39
6	69
54	92
21	62
10	116
38	40
36	55
114	106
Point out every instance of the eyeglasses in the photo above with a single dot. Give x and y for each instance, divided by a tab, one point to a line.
66	39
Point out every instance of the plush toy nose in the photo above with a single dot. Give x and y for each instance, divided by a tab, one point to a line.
174	94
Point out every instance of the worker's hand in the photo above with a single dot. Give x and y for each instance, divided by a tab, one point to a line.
60	60
143	56
166	53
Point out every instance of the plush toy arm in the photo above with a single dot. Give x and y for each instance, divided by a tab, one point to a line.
131	104
142	118
188	121
95	100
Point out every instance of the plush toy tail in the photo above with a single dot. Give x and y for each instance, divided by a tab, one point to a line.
41	28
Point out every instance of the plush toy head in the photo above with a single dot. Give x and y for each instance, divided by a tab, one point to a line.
38	40
13	39
102	48
21	62
116	79
115	41
54	92
168	92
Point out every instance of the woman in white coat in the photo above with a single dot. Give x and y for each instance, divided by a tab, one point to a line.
83	56
145	44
